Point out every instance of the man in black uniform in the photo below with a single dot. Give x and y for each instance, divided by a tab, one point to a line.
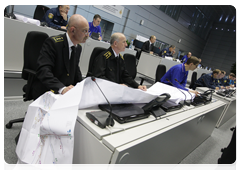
110	64
148	45
58	68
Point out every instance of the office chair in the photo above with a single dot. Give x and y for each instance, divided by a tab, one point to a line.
130	63
39	12
96	51
161	70
32	46
193	79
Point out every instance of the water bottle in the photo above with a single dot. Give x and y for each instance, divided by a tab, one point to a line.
131	45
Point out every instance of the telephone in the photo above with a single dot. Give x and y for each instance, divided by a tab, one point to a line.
203	98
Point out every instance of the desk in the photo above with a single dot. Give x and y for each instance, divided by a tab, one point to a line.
15	33
147	64
147	141
229	110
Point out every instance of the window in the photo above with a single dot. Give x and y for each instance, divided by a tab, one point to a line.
171	10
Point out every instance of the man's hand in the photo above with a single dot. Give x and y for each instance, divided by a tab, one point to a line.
99	38
193	91
66	89
231	85
144	88
151	52
222	87
63	27
63	14
217	88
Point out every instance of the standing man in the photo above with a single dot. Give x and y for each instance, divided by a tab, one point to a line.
57	17
168	52
209	80
186	57
148	45
110	64
180	72
58	64
94	26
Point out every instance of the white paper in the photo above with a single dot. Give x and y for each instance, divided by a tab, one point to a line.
33	21
176	94
21	18
48	129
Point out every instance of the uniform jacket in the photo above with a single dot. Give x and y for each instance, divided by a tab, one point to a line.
54	70
105	67
178	72
207	80
53	18
146	48
166	52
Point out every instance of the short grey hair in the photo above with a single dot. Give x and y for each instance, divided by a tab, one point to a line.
114	37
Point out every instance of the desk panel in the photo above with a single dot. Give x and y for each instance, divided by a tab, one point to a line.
147	65
229	110
15	32
166	140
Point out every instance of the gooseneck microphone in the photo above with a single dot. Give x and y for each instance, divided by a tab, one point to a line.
109	121
184	87
185	102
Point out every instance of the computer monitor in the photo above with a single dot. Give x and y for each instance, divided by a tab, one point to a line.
138	44
156	50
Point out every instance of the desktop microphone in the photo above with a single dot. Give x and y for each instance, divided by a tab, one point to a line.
188	104
183	87
109	121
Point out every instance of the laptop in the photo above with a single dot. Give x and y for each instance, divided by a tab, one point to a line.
94	35
124	113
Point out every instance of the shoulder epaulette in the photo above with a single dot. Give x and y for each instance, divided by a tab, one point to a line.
107	54
58	39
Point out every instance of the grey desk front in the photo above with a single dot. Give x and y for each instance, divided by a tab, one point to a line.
15	32
229	110
147	141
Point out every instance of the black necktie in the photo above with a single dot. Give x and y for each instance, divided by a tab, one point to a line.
118	67
71	64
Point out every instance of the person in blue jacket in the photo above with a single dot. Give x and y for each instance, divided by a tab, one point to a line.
180	73
186	57
236	82
229	81
57	17
168	52
209	80
94	26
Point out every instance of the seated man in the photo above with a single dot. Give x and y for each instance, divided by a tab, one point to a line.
209	80
186	57
58	63
221	79
180	72
94	26
57	17
167	52
110	64
148	45
228	81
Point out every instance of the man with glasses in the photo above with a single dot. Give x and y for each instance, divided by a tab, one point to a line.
180	73
58	63
57	17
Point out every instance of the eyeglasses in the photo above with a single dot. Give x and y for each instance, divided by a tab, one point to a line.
86	31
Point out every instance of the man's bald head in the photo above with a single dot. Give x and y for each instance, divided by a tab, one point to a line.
78	29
